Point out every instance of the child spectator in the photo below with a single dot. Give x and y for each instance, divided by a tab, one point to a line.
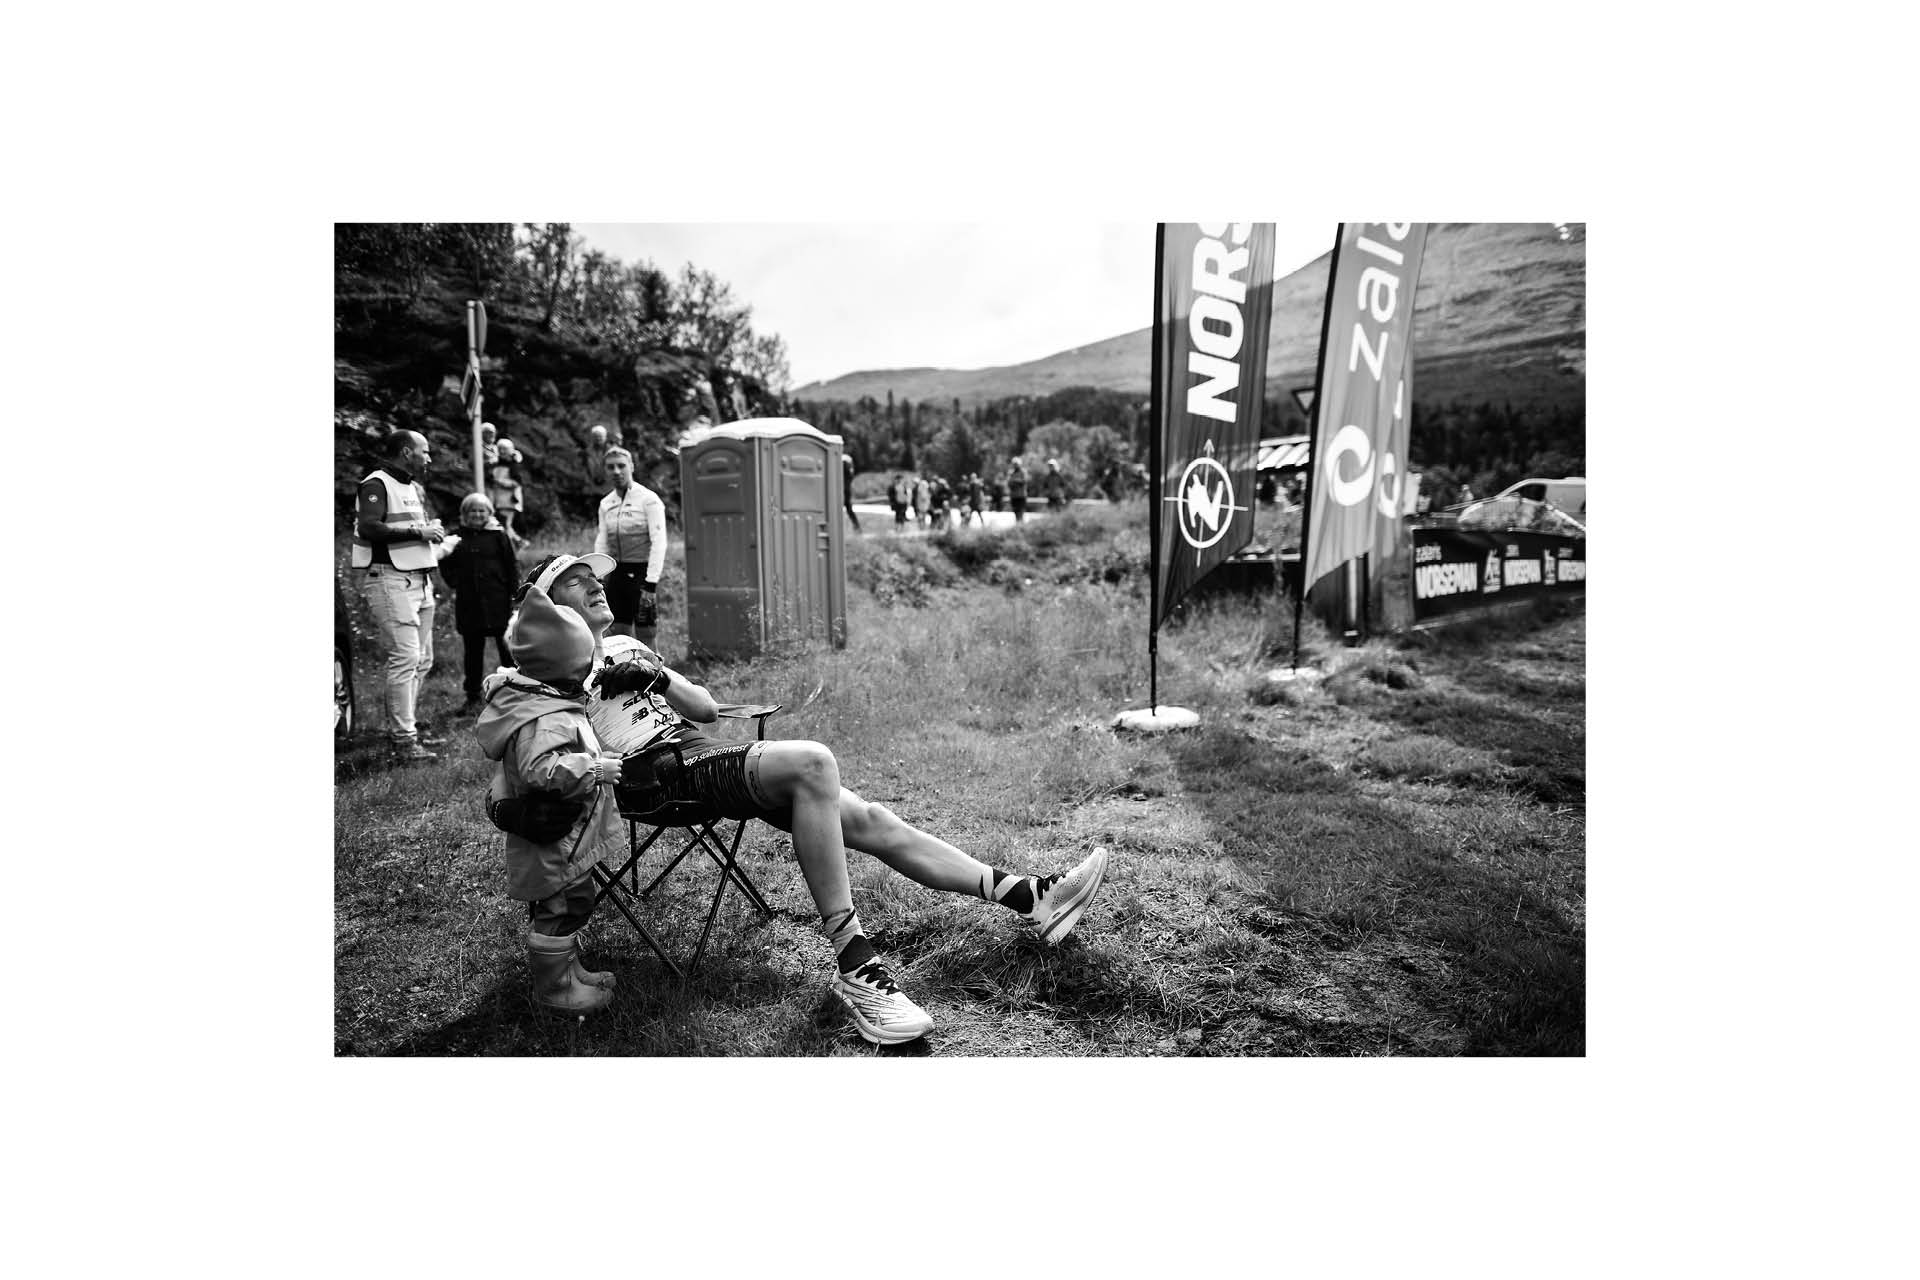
482	571
535	728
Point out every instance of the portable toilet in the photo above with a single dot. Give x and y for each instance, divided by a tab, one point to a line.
766	553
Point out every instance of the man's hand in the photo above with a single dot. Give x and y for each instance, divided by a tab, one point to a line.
540	816
434	530
640	673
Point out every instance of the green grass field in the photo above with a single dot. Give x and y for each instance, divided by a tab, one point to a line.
1389	860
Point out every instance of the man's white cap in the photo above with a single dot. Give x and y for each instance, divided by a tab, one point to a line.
549	573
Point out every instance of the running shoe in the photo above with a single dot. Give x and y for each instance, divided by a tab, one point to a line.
880	1009
1061	899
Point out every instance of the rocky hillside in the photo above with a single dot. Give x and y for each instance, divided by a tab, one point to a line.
1500	316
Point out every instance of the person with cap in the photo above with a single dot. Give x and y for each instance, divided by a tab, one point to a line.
1054	485
393	557
536	731
631	531
483	573
637	703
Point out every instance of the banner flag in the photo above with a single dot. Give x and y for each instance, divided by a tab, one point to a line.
1213	310
1365	400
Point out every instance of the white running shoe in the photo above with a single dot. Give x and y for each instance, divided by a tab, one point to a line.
1061	899
880	1009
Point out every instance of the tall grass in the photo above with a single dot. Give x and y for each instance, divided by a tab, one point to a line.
1388	860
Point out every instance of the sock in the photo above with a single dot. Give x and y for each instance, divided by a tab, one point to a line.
850	946
1009	890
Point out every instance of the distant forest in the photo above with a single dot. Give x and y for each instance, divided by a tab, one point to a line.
1486	445
578	338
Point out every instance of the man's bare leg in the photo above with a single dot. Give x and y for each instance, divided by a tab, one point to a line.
805	776
920	857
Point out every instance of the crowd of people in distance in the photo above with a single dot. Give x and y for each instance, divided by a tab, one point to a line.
934	502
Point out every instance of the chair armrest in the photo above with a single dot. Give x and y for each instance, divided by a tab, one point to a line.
757	712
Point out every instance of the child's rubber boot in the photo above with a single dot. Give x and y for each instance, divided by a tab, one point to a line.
550	962
589	977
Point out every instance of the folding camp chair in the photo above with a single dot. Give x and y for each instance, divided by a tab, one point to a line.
698	827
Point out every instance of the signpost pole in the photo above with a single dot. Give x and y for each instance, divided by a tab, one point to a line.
475	340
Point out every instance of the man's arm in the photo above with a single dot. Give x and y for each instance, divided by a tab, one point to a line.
689	699
642	669
656	538
370	518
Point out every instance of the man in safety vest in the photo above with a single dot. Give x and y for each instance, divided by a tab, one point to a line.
394	543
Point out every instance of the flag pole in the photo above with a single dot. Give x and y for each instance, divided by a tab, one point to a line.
1313	440
1155	428
473	404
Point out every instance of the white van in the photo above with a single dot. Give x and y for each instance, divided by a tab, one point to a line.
1569	493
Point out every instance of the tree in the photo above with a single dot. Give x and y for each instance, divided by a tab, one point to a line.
480	254
707	318
547	266
765	360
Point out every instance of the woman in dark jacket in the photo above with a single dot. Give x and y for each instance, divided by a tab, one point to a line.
483	573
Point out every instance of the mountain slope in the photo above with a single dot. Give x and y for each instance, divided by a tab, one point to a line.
1500	315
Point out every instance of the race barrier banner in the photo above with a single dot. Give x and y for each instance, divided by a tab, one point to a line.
1365	399
1213	309
1456	570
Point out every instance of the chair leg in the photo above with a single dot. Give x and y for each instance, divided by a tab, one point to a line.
607	884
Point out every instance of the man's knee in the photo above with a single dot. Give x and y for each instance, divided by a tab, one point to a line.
810	768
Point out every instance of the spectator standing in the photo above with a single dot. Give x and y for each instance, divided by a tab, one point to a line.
998	491
631	530
922	500
596	463
937	502
976	497
482	571
898	495
393	555
504	481
846	489
1017	489
1054	486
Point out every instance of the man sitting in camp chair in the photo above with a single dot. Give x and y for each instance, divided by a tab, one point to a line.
636	701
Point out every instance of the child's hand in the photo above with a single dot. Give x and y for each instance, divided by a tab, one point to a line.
606	770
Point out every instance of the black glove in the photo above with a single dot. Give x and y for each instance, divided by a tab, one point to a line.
637	673
646	610
540	816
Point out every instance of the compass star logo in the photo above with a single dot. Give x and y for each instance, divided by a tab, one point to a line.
1203	499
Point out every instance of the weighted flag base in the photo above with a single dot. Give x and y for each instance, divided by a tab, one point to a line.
1155	720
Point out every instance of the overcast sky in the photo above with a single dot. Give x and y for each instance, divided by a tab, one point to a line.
851	296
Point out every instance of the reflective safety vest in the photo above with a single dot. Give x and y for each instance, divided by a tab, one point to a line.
403	507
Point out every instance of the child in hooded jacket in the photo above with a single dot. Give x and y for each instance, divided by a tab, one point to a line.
535	728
